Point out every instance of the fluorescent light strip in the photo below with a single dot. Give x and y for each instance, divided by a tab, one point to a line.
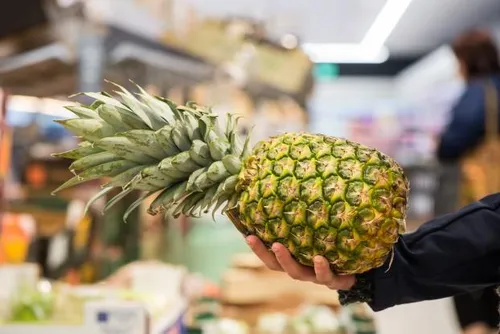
384	23
371	49
345	53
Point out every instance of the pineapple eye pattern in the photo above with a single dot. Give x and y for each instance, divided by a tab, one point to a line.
334	196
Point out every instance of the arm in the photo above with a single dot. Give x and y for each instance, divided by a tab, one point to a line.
453	254
466	127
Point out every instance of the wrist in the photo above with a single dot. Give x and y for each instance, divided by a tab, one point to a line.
360	292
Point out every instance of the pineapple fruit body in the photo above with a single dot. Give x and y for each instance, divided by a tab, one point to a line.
321	195
317	195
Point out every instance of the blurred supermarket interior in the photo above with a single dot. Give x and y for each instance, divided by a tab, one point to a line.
379	72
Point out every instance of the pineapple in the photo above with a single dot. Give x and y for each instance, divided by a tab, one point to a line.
318	195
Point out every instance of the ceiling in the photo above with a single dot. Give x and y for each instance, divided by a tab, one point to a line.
316	21
425	25
430	23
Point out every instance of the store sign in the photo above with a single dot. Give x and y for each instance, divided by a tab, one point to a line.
326	71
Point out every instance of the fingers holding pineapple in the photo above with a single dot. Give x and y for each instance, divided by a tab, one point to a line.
325	276
292	267
280	259
263	253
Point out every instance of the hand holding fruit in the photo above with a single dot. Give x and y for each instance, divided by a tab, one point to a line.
281	260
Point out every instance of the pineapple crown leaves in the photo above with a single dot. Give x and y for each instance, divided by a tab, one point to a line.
180	154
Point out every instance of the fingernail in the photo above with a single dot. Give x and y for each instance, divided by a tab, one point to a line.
318	260
248	241
275	247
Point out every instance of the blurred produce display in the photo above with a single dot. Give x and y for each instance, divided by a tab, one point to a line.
30	304
39	305
253	299
161	290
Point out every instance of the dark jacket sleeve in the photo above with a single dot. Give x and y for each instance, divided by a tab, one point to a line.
466	126
453	254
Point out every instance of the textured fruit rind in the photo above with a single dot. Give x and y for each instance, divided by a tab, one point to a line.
320	195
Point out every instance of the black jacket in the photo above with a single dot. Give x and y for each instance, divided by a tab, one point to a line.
450	255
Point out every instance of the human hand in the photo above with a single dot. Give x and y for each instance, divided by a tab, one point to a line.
280	259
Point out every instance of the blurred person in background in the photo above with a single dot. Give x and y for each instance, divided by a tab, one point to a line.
460	143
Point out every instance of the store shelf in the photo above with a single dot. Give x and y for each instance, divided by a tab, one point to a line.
111	317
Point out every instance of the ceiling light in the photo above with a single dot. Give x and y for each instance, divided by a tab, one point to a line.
345	53
371	49
385	22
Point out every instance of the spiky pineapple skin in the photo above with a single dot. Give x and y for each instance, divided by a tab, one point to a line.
321	195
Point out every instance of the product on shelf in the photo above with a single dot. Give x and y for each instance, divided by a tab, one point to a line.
149	293
314	193
17	232
5	152
31	305
13	279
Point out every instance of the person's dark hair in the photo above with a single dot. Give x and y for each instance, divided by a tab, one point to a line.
477	51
